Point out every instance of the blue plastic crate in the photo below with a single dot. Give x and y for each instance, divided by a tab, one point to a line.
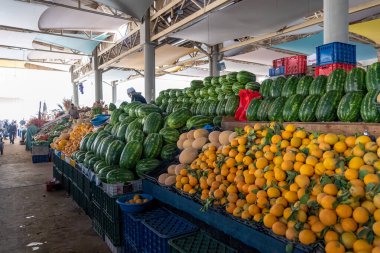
336	52
113	230
272	72
132	224
129	247
40	158
279	71
157	232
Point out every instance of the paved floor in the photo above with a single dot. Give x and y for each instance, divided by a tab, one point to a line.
33	220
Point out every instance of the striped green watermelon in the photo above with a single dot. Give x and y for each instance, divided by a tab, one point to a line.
130	155
179	118
193	108
327	106
276	108
119	176
121	131
222	79
318	86
83	142
132	107
136	135
252	109
336	80
153	123
169	135
103	146
221	108
132	126
227	88
145	166
232	77
212	91
245	77
113	152
368	109
152	145
108	128
217	121
373	77
265	87
148	109
196	84
303	85
99	165
349	107
115	116
262	111
115	128
215	81
276	87
99	137
198	121
168	152
236	87
232	105
253	86
213	105
290	87
355	80
308	108
122	116
292	107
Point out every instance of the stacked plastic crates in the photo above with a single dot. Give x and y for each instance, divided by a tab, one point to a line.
278	67
295	65
335	55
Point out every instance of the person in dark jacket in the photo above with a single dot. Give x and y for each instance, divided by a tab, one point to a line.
12	129
135	96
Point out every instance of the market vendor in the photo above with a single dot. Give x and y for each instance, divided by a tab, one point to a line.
135	96
74	112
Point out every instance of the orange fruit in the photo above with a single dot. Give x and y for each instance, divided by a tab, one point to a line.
330	189
331	236
340	147
269	220
360	215
307	237
327	217
363	139
349	225
348	239
279	228
376	228
343	211
334	247
362	246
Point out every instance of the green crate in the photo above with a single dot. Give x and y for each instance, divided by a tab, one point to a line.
66	184
87	187
111	208
57	174
98	214
67	170
87	206
78	178
197	243
97	195
98	228
113	230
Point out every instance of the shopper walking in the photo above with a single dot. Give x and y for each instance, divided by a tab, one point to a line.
135	96
12	132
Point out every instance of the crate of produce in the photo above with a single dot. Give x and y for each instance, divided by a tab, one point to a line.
295	65
113	230
40	158
272	72
197	243
279	71
97	194
111	208
278	62
79	179
97	227
67	170
129	247
57	174
158	231
336	52
87	187
98	214
114	189
74	175
113	248
76	194
87	206
66	184
40	150
327	69
133	228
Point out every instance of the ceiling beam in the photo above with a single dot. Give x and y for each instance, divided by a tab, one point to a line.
35	61
17	29
49	3
40	50
308	23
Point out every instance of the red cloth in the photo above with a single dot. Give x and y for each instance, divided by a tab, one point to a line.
245	98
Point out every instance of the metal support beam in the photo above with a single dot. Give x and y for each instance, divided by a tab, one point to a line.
335	21
98	77
41	50
149	58
75	95
214	60
114	91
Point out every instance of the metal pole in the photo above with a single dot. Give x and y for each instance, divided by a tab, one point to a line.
75	94
214	60
114	91
149	58
98	77
335	21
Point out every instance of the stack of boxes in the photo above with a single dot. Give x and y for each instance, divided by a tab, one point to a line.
293	65
333	56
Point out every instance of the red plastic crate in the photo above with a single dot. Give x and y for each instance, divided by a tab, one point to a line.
278	62
328	68
295	65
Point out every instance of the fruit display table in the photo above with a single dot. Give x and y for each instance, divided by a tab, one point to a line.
246	234
347	128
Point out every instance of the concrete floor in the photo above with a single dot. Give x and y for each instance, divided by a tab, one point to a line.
33	220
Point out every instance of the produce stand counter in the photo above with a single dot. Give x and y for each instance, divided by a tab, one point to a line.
348	128
248	235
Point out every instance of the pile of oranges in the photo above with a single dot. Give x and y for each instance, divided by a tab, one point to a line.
307	187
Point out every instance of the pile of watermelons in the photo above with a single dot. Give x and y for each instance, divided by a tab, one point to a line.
213	97
137	140
345	97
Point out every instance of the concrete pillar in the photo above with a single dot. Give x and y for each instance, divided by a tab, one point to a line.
149	58
335	21
98	77
114	91
75	94
214	60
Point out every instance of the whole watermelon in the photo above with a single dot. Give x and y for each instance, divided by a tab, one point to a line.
308	108
168	152
252	109
145	166
130	155
245	77
349	107
327	106
119	176
303	85
355	80
291	108
373	77
336	80
178	118
113	152
153	123
276	108
318	86
169	135
198	121
368	109
276	87
152	145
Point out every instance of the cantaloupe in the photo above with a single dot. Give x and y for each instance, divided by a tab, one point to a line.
171	169
190	134
232	136
162	178
183	136
223	137
180	143
178	168
214	136
188	143
199	142
170	180
188	155
200	133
